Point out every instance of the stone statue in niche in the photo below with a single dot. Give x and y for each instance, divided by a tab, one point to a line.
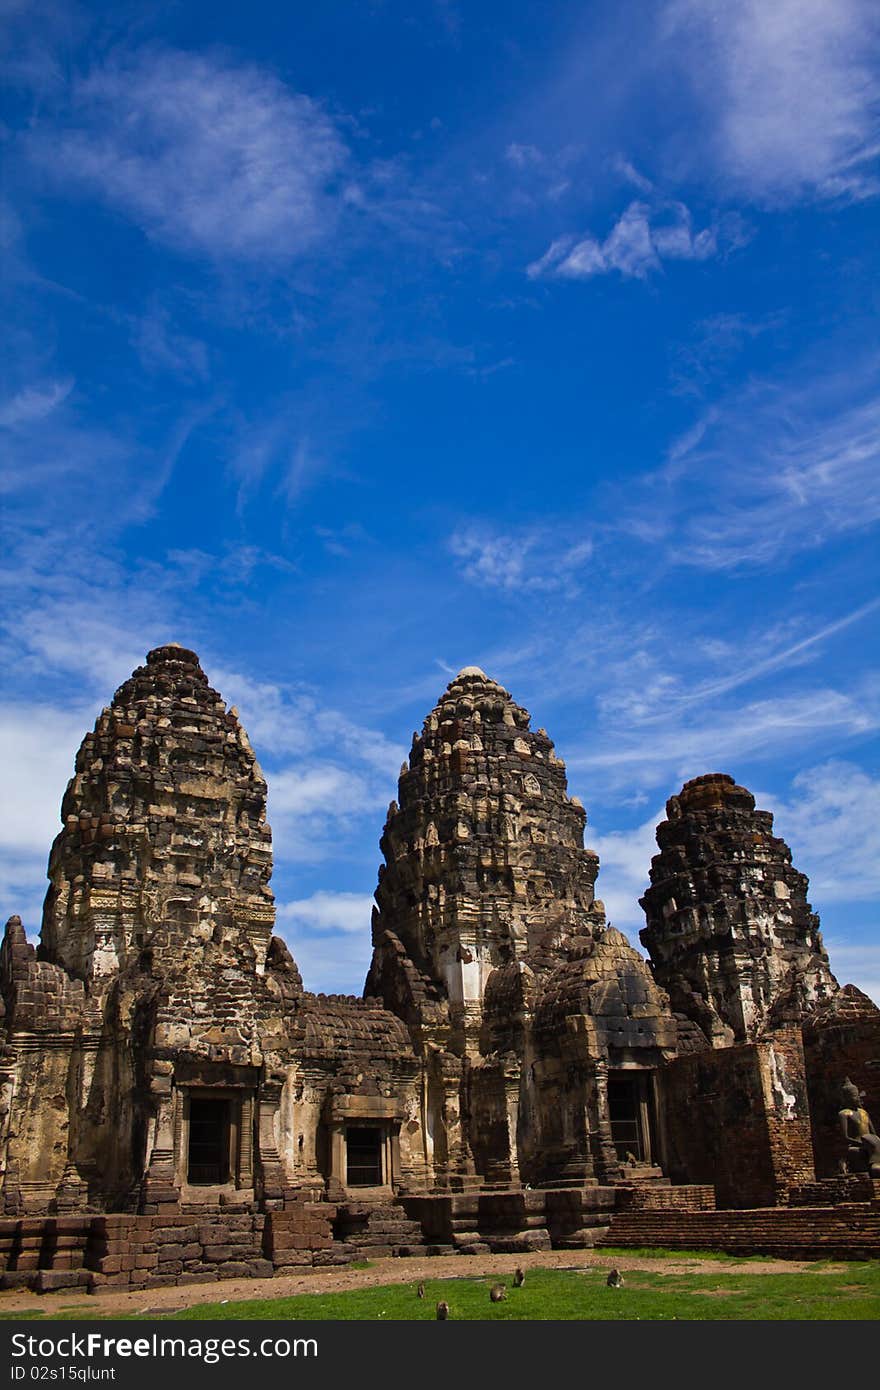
862	1140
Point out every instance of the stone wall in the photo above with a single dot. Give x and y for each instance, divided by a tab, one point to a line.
738	1118
129	1251
804	1233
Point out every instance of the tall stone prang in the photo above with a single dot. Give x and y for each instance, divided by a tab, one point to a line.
484	856
165	844
490	944
730	933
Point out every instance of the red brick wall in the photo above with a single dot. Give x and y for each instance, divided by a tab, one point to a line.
788	1111
737	1117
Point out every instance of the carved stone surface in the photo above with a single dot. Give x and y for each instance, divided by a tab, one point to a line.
484	856
165	847
729	931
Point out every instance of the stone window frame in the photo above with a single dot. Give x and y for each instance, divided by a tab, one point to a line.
241	1138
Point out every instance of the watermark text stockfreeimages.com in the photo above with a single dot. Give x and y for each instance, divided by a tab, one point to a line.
97	1346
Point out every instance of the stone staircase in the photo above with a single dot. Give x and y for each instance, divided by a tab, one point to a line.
844	1232
377	1230
44	1253
506	1223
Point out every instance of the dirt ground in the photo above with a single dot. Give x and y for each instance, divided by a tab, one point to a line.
386	1271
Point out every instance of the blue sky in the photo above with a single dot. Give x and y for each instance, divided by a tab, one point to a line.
351	344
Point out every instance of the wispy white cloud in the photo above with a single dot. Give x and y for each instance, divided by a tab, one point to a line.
327	911
856	963
308	789
333	962
786	91
163	348
702	360
38	744
524	156
770	469
329	935
831	818
94	636
204	154
657	750
639	242
33	403
330	778
624	862
293	719
779	655
59	460
775	470
534	560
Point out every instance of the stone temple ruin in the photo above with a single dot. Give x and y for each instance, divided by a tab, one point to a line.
175	1107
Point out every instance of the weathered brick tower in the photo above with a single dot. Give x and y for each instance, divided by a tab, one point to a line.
484	851
730	933
490	943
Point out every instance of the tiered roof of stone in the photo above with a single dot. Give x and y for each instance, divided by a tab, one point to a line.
354	1032
610	982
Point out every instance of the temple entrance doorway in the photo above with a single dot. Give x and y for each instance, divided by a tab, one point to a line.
208	1153
364	1146
630	1105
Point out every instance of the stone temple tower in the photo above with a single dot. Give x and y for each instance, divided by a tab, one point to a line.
165	845
484	856
730	933
539	1027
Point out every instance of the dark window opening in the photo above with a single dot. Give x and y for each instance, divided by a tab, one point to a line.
208	1141
364	1157
628	1112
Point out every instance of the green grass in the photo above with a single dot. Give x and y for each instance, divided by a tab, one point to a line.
849	1292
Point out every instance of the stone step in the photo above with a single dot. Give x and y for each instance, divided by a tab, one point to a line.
47	1280
642	1172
